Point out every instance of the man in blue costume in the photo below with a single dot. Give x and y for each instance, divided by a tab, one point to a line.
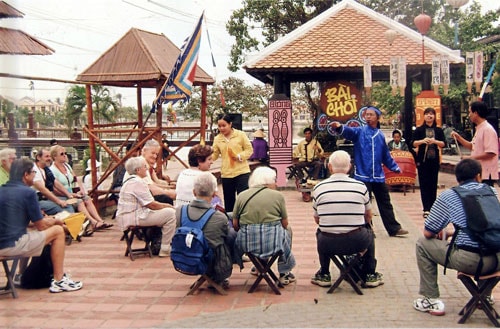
370	152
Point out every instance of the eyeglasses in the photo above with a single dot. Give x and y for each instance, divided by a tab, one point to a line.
63	153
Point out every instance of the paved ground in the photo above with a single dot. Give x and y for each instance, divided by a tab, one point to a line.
148	293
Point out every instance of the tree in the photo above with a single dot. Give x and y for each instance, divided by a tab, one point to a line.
273	18
238	98
103	105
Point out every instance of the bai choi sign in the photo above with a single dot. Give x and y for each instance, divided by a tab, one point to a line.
340	100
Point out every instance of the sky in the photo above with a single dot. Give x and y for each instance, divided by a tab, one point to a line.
81	31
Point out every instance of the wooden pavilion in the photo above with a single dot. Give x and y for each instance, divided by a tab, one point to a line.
333	46
140	59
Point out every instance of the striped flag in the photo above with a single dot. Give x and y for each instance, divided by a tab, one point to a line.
180	81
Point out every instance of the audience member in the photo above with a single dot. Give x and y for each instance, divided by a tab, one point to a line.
158	187
19	204
260	147
233	146
120	170
484	145
370	152
44	183
200	160
429	139
215	231
137	207
7	156
396	144
432	250
261	220
87	177
308	153
64	174
342	210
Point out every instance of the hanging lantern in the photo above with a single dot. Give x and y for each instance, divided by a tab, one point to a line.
423	23
390	35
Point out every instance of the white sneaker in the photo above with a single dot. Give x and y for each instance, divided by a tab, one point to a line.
66	284
431	305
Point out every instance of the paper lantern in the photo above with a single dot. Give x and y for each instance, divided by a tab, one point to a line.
390	35
423	23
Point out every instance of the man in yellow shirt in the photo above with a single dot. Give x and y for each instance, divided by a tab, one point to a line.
308	153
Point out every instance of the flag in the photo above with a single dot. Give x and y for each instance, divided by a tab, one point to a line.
180	81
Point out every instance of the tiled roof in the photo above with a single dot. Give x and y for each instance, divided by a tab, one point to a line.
139	58
340	38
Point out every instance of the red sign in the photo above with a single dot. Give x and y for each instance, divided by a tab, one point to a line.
340	100
427	98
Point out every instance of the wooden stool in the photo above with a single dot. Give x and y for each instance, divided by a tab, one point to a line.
479	292
10	272
128	236
347	271
197	284
265	272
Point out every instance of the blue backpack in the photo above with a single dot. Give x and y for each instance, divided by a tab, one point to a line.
190	251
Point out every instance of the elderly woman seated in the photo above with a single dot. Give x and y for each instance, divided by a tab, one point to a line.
215	231
261	219
137	207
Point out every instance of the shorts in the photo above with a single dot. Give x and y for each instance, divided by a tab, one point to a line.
28	245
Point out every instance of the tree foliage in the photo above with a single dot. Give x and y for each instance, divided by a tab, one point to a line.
238	98
272	18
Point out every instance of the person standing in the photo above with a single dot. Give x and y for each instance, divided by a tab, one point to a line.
484	144
429	139
19	204
234	147
370	152
342	210
308	153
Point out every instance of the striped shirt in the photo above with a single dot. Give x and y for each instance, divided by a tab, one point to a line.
340	202
447	209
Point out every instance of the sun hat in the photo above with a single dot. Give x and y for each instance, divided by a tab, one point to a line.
259	133
89	168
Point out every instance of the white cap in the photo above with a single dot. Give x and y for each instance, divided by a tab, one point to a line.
89	168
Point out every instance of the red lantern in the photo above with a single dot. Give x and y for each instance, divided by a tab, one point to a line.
423	23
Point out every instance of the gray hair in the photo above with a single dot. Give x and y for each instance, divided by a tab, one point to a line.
152	143
205	184
6	153
340	162
262	176
133	164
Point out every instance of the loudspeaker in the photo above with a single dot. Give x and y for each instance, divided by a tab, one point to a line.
492	118
237	120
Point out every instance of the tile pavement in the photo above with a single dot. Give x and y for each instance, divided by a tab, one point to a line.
149	293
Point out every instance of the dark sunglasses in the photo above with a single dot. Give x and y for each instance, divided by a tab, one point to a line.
63	153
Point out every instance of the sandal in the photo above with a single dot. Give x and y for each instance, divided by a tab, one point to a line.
103	226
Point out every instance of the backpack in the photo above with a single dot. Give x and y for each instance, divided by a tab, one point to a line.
39	272
190	252
482	211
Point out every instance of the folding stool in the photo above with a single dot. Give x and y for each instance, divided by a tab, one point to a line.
128	236
9	287
265	272
479	292
197	284
347	271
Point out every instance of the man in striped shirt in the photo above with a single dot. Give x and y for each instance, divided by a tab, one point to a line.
342	209
431	250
